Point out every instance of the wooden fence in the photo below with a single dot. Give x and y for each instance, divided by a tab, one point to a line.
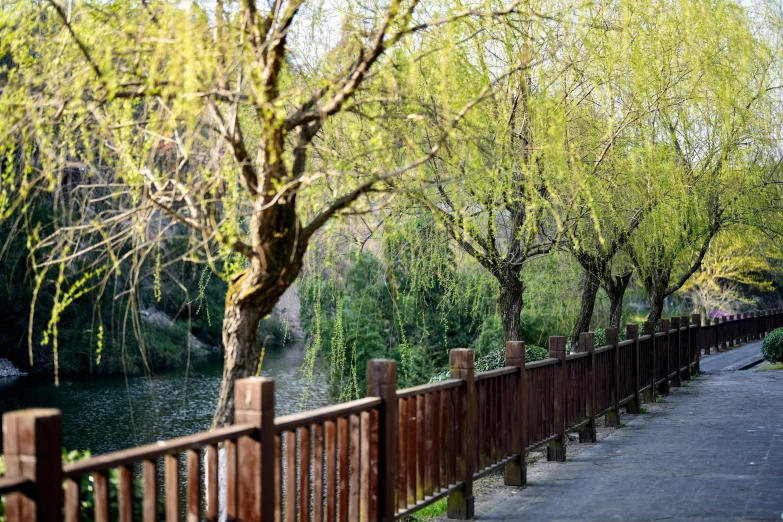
379	458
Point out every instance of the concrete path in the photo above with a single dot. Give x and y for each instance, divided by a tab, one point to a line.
712	451
732	360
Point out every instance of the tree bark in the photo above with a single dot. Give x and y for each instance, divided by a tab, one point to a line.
589	293
616	309
656	296
615	289
254	293
510	308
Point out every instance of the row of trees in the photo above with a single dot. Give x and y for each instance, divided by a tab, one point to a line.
628	134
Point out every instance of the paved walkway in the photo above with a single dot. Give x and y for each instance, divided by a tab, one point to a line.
712	451
734	359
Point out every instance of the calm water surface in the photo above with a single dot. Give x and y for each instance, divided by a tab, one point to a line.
105	414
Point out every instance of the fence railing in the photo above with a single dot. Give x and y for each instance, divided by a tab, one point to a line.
380	458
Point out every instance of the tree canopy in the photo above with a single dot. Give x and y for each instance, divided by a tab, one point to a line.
438	170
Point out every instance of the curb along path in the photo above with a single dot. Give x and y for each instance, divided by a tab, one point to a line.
732	360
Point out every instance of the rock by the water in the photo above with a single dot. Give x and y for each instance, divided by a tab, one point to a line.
9	370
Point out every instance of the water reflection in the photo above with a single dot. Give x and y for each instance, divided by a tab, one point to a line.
106	414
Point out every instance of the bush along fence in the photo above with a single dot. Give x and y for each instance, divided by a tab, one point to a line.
380	458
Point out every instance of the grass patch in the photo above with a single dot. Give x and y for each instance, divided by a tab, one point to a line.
621	425
431	512
659	399
772	366
642	411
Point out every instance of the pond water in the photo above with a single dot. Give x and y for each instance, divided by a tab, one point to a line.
106	414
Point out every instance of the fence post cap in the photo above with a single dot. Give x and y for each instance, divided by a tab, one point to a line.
587	338
254	393
631	331
557	345
515	350
462	358
649	327
382	370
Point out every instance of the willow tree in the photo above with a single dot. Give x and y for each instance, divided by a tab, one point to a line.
721	65
489	189
607	130
169	118
737	258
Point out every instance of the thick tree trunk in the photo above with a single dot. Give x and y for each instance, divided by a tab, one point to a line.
253	294
656	297
615	309
510	308
589	293
241	353
615	289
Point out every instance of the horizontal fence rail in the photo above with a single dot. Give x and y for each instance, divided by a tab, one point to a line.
381	458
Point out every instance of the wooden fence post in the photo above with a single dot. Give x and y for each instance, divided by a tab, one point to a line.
758	321
516	471
649	329
727	332
734	337
726	324
685	346
556	450
462	366
382	382
587	433
254	403
632	332
32	443
664	389
745	328
674	340
696	340
709	328
612	417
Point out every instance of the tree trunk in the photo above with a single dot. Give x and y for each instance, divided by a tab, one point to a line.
615	288
616	309
589	293
241	353
253	294
656	298
510	308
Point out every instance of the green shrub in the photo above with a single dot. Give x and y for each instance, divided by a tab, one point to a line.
535	353
600	334
497	359
772	347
